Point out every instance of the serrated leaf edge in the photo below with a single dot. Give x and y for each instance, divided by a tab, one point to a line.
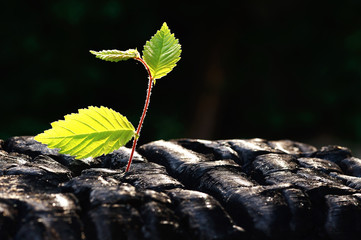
163	31
99	149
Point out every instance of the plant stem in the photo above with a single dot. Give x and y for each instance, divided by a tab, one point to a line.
150	85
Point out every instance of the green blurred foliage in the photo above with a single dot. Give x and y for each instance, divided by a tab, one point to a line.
272	69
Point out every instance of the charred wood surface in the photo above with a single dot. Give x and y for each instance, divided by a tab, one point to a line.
182	189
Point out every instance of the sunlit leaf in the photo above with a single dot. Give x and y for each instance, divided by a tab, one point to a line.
90	133
162	52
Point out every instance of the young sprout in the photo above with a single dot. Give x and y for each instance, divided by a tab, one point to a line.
95	131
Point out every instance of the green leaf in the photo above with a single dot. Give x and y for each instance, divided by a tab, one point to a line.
90	133
162	52
116	55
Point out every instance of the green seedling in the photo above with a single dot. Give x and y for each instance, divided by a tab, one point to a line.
95	131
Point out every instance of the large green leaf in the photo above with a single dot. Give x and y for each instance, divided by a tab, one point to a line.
90	133
162	52
116	55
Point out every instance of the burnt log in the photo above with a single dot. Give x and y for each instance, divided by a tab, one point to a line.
181	189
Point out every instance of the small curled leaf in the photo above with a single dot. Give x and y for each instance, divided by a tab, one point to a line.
116	55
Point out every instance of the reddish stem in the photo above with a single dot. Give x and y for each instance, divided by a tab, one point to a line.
135	140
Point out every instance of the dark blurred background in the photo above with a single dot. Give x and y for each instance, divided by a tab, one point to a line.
269	69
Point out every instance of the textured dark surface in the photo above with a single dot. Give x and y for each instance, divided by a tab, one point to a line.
182	189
